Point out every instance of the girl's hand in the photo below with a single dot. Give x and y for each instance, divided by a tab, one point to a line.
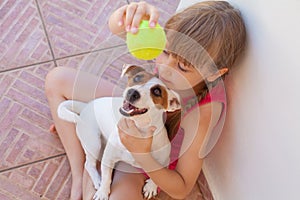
129	17
132	139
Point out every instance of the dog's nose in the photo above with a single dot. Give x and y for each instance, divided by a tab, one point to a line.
132	95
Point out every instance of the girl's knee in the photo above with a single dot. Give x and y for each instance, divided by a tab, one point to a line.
53	77
127	186
56	79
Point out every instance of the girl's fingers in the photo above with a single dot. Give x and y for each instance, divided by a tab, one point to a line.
120	15
136	12
126	125
129	123
151	130
122	125
132	127
154	15
140	13
130	12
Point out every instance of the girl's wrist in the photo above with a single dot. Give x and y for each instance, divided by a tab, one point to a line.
142	157
147	162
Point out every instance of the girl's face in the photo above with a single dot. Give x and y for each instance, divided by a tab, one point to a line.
175	74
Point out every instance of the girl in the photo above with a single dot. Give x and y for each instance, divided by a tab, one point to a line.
213	26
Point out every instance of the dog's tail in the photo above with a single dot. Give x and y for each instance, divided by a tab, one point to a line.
70	110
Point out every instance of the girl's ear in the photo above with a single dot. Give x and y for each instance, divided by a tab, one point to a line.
218	74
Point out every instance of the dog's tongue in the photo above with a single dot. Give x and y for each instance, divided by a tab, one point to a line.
127	106
131	110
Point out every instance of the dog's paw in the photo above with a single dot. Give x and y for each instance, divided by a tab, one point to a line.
101	194
149	189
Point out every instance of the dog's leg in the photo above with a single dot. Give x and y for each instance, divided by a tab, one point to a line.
104	190
149	189
91	167
107	164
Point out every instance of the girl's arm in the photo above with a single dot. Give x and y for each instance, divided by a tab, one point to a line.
127	18
177	183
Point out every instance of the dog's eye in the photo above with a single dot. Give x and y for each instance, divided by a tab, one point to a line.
156	91
138	78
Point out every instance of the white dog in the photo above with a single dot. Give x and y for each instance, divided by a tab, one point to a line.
145	99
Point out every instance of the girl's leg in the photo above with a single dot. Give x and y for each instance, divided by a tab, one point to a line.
87	187
66	83
125	186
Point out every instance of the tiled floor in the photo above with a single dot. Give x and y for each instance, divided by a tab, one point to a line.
36	36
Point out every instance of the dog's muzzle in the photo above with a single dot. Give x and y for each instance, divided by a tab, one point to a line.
128	109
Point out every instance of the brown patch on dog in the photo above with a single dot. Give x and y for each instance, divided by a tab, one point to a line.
139	78
160	100
131	70
136	75
174	101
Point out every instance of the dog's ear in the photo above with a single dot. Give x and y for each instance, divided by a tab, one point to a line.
173	101
131	70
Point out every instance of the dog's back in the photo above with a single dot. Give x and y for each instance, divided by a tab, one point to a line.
95	120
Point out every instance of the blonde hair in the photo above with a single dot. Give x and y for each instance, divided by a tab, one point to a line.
215	26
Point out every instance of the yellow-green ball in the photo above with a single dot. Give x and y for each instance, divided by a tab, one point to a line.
148	43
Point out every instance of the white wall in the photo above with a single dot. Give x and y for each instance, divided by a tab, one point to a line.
258	154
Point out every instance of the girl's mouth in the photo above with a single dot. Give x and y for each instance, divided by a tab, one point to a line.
164	80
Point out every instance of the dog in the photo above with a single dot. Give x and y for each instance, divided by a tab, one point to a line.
144	100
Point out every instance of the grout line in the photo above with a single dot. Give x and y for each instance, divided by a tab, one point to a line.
92	51
25	66
46	33
54	176
48	61
30	163
51	50
50	46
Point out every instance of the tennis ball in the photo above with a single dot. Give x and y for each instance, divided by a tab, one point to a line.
148	43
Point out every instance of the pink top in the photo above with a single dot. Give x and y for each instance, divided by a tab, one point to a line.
216	94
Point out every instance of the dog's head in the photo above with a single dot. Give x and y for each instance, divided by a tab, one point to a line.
145	94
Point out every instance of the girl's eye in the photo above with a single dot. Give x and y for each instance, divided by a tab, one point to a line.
166	52
181	67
